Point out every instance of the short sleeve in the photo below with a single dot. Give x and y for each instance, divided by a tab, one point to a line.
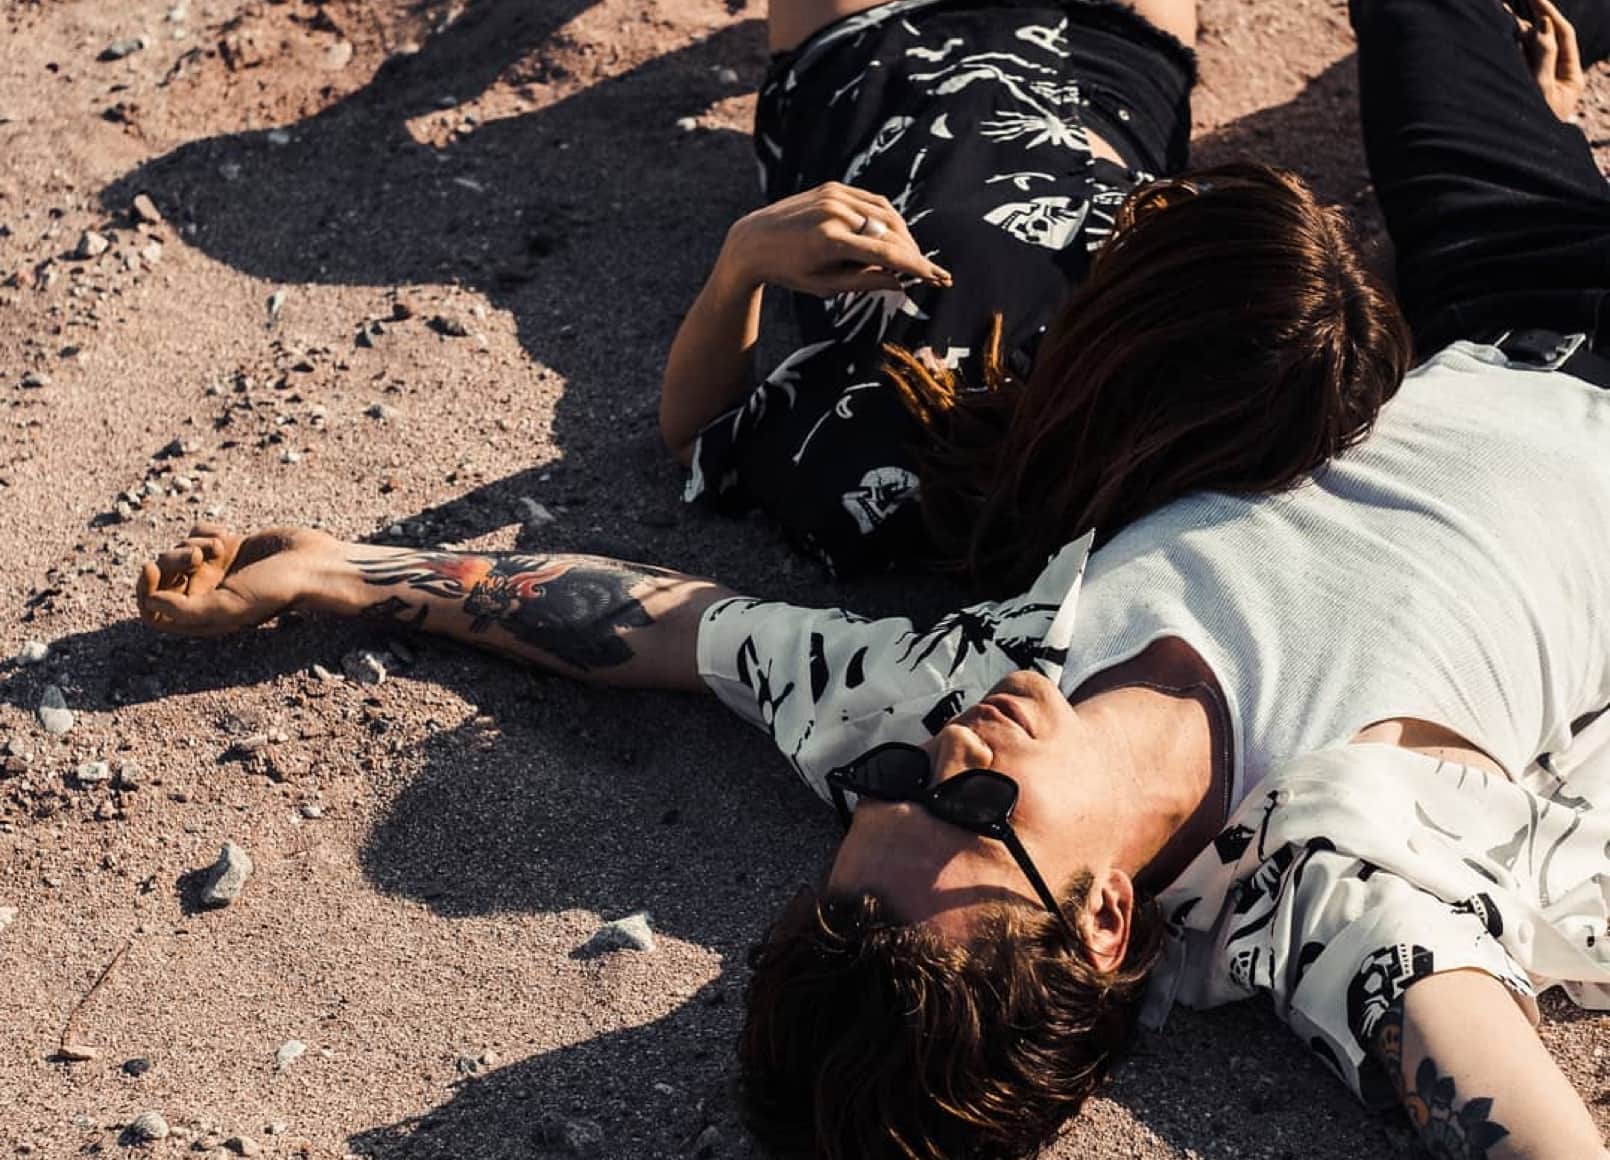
824	447
828	685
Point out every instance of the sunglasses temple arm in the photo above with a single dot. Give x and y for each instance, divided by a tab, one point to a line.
841	804
1021	855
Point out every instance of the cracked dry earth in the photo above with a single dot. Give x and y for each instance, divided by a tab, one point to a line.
405	269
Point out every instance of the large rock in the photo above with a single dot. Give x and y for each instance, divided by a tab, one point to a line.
227	876
631	933
54	714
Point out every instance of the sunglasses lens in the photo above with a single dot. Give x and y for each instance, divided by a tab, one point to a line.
976	799
895	773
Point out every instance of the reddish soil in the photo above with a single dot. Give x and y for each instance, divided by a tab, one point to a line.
345	186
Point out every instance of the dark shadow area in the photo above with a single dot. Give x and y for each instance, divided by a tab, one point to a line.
1316	133
589	220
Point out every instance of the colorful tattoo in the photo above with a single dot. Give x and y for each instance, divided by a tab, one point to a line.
566	606
1447	1129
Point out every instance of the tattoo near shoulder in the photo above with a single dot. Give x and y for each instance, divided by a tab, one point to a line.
567	606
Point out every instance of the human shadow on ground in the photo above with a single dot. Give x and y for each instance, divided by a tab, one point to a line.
589	220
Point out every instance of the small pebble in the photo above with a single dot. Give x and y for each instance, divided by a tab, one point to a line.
324	674
8	915
130	775
276	303
364	667
382	412
93	772
36	379
33	652
312	811
290	456
117	50
145	210
727	76
449	325
243	1146
151	252
227	876
137	1066
278	137
54	714
578	1137
276	1128
148	1126
707	1143
91	245
289	1052
534	514
687	124
629	933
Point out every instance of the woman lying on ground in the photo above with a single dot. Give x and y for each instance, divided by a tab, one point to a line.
942	174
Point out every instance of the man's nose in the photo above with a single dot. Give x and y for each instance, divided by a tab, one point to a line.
956	748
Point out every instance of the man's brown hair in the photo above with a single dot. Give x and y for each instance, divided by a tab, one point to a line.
1229	337
868	1037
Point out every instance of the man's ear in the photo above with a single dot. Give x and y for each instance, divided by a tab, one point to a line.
1105	921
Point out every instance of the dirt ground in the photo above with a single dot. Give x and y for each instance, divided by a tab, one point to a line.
417	262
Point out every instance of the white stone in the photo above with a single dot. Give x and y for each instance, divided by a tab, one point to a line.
54	714
289	1052
32	652
93	772
630	933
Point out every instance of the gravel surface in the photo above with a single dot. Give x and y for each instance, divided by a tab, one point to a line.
406	269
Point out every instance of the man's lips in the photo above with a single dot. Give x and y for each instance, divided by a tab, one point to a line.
1002	708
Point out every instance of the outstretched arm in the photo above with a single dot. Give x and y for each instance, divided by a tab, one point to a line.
1475	1079
585	617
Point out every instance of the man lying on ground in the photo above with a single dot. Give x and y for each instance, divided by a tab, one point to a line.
1341	733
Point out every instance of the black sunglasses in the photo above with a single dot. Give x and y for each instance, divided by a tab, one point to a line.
979	801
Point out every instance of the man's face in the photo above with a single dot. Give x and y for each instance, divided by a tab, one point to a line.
930	871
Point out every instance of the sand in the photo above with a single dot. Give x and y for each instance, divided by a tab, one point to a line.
407	297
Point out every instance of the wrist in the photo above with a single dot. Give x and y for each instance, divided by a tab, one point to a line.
328	579
735	273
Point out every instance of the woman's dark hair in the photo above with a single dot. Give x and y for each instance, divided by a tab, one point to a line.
1228	337
866	1037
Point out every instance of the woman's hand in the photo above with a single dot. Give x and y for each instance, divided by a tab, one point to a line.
827	241
216	582
1551	47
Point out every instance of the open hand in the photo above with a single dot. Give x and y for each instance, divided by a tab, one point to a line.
217	582
1551	49
827	241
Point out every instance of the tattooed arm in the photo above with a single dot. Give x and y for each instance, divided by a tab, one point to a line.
585	617
1475	1079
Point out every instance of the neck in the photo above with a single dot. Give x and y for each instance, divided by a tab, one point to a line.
1157	748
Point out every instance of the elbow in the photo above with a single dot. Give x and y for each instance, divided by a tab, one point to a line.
677	438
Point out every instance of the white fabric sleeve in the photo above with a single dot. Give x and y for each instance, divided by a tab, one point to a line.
828	685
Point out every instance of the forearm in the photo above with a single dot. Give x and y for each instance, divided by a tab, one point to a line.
1475	1079
585	617
712	359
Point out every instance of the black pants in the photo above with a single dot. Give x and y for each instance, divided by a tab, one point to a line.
1498	213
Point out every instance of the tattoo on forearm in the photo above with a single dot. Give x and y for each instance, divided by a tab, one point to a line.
396	610
568	606
1447	1129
